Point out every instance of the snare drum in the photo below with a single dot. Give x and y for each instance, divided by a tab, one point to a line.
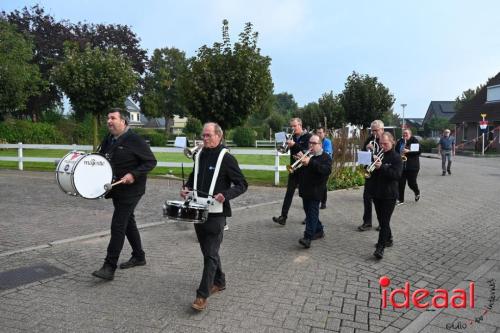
84	175
179	211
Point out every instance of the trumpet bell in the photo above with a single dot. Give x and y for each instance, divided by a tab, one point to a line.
190	152
290	168
404	158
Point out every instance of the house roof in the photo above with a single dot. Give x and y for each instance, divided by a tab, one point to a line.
472	110
131	106
442	109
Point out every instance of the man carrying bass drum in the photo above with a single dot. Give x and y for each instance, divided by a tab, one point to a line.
131	159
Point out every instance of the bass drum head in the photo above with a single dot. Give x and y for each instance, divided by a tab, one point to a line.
91	174
64	171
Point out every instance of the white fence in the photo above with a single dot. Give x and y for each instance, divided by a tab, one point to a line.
21	159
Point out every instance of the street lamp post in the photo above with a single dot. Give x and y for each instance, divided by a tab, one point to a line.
403	106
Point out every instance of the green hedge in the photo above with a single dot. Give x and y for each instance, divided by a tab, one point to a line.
426	145
243	137
156	137
14	131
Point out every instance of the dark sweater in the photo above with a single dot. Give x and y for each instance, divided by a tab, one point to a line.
312	180
413	157
229	173
129	154
383	184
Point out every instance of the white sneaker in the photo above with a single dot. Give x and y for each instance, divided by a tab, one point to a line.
399	203
226	227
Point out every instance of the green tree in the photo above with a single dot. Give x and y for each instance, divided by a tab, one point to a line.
193	127
364	99
284	103
466	96
19	79
276	121
163	94
331	109
95	81
228	83
310	115
437	124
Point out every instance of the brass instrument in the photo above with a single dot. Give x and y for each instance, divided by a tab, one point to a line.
191	152
298	163
374	144
283	148
403	156
371	167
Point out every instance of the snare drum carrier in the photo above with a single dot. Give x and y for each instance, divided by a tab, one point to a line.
213	205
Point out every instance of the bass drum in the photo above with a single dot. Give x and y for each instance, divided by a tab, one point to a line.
84	175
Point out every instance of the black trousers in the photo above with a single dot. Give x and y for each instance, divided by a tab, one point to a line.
210	236
123	225
384	209
367	203
409	176
325	193
293	183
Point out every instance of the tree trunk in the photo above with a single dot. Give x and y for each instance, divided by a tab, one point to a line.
167	126
95	129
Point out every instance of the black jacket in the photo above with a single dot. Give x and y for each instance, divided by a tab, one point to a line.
413	157
301	145
312	180
229	173
368	140
130	153
383	184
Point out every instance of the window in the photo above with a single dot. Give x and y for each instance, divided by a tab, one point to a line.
493	94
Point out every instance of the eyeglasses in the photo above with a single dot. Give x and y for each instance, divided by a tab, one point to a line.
206	135
314	143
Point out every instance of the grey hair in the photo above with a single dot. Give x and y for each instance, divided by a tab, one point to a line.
217	128
297	120
389	136
378	123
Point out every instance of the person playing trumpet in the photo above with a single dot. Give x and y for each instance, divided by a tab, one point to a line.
316	167
411	165
383	188
371	144
297	144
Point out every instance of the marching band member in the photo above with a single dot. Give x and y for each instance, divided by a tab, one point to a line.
131	159
411	165
327	148
371	144
216	173
298	143
312	184
383	188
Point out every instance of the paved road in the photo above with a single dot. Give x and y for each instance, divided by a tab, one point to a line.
448	238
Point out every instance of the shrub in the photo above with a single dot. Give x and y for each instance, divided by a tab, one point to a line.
14	131
346	178
193	127
156	137
243	137
426	145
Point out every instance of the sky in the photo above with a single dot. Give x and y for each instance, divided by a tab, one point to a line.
426	50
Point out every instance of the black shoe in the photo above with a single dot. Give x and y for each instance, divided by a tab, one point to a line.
377	228
304	222
323	206
389	243
305	242
379	252
106	272
319	235
364	227
449	172
444	174
280	219
417	197
132	262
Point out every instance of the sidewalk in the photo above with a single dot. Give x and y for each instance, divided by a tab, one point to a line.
274	285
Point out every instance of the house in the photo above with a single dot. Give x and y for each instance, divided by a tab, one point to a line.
138	119
416	123
487	102
439	109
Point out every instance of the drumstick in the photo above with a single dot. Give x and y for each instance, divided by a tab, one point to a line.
108	186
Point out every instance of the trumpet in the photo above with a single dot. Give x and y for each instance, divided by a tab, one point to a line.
283	148
374	144
298	163
403	156
191	152
371	167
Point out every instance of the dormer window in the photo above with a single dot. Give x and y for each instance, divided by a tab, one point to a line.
493	94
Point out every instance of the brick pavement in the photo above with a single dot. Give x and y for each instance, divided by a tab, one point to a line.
273	284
